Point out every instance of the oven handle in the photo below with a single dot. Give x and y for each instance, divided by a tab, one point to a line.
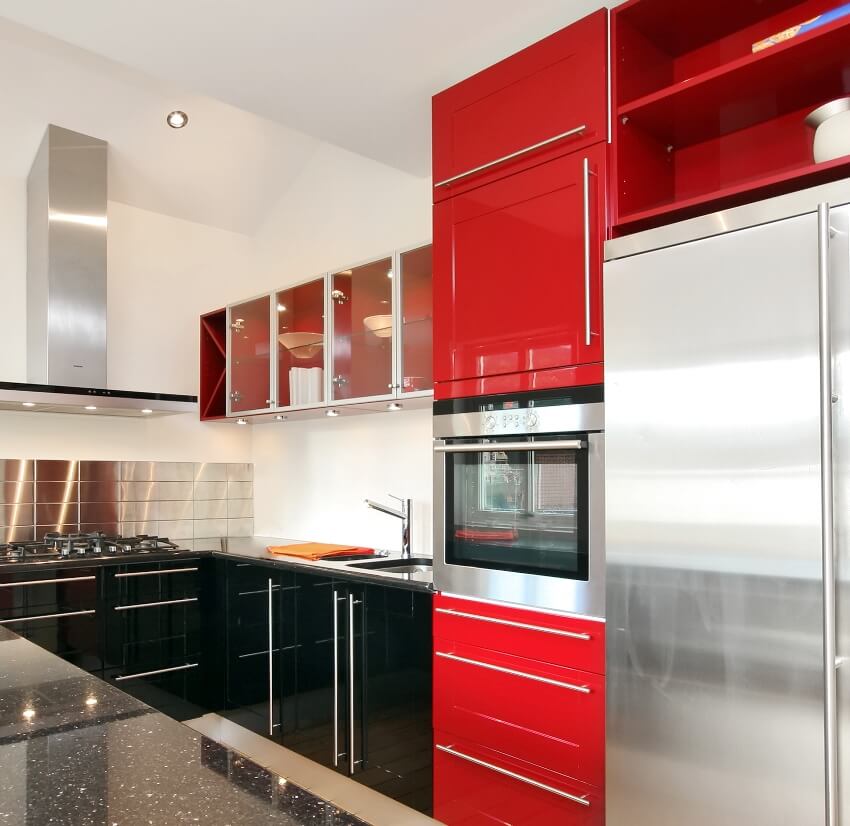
566	444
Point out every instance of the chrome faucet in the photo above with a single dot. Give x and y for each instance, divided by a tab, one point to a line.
403	514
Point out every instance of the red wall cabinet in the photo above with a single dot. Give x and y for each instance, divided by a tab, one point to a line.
552	93
249	345
519	716
212	393
518	272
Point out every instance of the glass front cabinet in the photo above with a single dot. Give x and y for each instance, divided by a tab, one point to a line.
362	334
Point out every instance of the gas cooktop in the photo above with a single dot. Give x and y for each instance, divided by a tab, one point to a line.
58	546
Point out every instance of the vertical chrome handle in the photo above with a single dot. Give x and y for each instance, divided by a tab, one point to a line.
827	521
586	173
336	677
271	661
351	683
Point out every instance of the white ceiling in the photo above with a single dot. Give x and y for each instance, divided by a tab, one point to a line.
357	74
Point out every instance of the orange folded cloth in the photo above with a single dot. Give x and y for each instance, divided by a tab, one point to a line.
317	550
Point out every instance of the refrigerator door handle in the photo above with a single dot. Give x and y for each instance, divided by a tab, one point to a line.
827	520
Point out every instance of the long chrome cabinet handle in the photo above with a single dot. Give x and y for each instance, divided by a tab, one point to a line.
156	573
47	616
827	522
155	604
563	444
518	154
271	658
47	581
586	173
575	635
583	801
580	689
351	683
154	673
336	599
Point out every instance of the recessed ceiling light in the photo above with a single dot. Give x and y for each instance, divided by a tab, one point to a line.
241	421
146	410
28	404
332	413
177	119
281	308
91	407
393	406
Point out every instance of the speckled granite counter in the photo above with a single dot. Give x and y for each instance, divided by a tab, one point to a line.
75	751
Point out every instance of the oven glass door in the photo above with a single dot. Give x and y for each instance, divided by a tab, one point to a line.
523	510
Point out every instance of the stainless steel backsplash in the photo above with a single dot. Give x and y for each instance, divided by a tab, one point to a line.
189	502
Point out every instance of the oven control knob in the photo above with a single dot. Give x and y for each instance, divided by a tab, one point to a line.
490	423
531	420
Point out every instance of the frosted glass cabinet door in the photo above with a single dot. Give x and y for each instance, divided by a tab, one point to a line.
417	372
250	356
300	342
361	299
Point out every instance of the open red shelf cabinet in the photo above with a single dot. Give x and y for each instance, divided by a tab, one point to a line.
703	122
212	393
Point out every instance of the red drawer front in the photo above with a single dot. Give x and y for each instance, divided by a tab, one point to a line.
548	638
469	794
546	90
554	379
506	704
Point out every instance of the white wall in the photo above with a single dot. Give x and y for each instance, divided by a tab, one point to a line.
13	288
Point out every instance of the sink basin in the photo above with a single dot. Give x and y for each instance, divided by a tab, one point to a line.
416	565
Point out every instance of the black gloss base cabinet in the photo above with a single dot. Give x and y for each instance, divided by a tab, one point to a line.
337	671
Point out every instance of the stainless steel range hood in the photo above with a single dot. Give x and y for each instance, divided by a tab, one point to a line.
66	287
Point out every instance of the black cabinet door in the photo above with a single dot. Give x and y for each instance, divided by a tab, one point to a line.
318	694
254	648
154	635
58	610
397	753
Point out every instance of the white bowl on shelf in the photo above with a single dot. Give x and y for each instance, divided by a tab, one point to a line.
379	325
302	345
831	123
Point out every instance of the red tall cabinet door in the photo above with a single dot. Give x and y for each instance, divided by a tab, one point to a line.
518	271
546	100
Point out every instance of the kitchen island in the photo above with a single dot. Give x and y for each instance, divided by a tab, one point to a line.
76	751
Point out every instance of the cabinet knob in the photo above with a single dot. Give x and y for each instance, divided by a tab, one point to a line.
339	380
236	396
238	325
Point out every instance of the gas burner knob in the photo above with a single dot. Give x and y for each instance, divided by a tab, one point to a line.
490	423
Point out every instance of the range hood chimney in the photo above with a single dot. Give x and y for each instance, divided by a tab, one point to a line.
66	261
67	193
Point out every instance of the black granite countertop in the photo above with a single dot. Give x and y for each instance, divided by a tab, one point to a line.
75	751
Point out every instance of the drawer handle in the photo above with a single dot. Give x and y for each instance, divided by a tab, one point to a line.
583	801
47	581
154	673
155	604
47	616
519	153
156	573
581	689
575	635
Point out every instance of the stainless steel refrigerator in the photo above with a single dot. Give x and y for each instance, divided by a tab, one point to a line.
728	517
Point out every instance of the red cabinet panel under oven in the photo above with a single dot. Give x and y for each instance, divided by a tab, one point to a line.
535	105
547	638
548	716
518	271
476	787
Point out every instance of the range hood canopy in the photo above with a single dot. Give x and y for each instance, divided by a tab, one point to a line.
67	193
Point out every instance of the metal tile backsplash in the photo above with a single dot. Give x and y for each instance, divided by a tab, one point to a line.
189	502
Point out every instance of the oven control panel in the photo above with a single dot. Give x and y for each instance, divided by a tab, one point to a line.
511	421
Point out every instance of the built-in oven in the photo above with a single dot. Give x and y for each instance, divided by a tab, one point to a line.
519	499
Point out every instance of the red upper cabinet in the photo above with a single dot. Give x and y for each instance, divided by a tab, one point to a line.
518	271
249	349
546	100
